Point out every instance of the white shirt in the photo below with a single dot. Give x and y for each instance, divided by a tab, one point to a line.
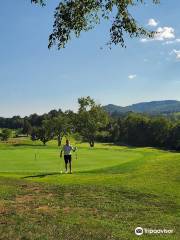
67	149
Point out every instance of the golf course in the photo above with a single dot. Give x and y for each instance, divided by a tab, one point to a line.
90	120
113	190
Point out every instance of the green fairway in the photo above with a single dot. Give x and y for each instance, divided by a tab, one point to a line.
112	191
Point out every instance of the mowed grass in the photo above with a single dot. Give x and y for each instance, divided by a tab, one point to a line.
112	190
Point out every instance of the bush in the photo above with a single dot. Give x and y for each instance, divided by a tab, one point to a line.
5	134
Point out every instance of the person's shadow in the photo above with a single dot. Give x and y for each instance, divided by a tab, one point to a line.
41	175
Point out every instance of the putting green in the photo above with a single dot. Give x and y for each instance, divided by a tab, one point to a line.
47	160
145	169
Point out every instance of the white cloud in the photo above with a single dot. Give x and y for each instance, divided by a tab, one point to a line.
144	40
152	22
162	34
177	53
132	76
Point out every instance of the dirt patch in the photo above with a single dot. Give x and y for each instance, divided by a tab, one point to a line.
23	186
80	210
35	189
25	198
94	211
49	195
66	209
44	208
67	194
38	190
3	209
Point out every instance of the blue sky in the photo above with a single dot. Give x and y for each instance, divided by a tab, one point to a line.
35	79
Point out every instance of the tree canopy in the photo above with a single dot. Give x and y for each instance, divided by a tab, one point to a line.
71	17
91	118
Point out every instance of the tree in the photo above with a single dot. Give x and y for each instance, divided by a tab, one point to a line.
54	113
35	120
34	134
158	131
91	118
27	128
46	132
174	137
115	132
136	128
62	127
72	17
5	134
18	132
44	135
16	122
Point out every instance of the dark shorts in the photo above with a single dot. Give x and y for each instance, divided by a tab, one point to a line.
67	158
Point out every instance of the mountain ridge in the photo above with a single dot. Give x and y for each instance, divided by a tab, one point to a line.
154	107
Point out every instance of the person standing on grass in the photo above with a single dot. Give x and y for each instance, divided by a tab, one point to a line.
67	149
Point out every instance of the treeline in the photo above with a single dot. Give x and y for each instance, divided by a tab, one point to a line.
89	120
141	130
91	123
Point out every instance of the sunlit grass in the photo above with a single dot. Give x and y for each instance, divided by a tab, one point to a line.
112	190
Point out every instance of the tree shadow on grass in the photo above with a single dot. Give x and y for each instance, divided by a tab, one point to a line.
42	175
142	146
28	145
119	145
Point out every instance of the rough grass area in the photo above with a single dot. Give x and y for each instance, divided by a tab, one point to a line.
112	191
38	211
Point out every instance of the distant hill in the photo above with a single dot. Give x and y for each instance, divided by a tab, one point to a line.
154	107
